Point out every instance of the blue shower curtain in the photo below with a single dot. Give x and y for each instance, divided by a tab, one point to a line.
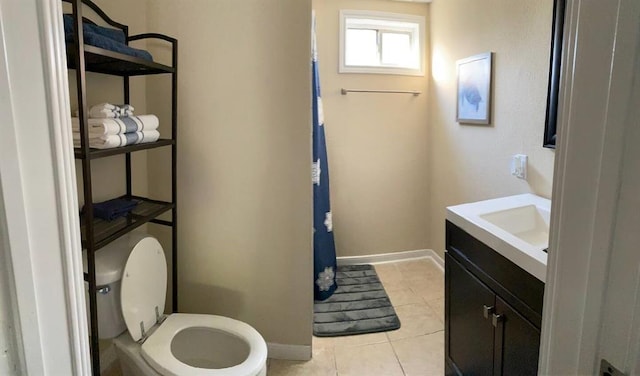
324	249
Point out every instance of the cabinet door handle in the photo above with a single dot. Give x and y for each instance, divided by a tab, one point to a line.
497	319
487	310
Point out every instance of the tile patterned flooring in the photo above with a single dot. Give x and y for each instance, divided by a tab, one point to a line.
416	290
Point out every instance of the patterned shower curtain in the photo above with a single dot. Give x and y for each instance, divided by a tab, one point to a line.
324	250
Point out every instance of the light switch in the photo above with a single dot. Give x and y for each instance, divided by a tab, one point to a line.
519	166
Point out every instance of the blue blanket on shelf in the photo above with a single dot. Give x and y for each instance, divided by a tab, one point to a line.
112	209
103	37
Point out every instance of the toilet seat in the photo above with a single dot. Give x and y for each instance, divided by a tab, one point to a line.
156	350
142	299
144	281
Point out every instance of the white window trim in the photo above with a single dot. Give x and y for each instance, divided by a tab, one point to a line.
383	16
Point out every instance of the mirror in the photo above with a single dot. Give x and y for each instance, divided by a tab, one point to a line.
554	74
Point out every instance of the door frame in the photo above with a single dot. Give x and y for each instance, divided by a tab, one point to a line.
38	189
595	93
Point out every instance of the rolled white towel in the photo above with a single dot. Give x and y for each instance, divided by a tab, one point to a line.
129	124
117	140
109	111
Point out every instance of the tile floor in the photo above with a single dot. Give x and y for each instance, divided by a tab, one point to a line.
416	289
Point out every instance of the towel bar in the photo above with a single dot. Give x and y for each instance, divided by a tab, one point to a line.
414	92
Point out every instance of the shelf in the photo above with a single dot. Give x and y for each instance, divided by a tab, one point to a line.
100	60
84	58
104	232
101	153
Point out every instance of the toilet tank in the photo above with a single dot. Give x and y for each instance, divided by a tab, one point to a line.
110	262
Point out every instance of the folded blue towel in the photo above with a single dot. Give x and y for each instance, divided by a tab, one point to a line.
115	34
112	209
103	37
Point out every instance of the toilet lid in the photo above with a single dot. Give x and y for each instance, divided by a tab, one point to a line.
144	285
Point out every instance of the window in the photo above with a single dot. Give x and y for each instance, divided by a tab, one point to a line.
377	42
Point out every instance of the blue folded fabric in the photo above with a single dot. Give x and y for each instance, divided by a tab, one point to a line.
114	34
111	45
112	209
103	37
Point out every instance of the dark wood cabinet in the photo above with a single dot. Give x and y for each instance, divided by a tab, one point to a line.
517	342
490	328
470	335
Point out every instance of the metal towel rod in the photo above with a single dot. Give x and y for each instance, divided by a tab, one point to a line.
414	92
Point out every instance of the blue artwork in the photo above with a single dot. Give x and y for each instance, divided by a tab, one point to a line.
471	95
324	250
474	89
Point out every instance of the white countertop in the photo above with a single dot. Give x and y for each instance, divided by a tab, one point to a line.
531	258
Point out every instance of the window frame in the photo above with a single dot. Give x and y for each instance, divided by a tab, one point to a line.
420	21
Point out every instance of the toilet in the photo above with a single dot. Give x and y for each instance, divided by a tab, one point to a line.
131	275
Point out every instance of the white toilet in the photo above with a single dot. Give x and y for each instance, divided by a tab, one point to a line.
131	274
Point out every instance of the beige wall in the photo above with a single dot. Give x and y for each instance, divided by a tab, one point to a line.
377	144
244	170
470	163
396	161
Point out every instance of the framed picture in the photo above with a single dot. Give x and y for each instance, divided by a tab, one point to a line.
474	89
554	75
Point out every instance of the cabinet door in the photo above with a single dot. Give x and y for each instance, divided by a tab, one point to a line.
468	334
517	342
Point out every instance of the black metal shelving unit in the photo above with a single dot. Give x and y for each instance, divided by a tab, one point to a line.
97	233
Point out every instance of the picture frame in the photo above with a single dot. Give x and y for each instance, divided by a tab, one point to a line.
473	89
555	67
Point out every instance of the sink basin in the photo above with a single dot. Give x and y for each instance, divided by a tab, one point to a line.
529	223
517	227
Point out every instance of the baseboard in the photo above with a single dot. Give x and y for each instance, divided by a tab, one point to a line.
437	259
288	352
392	257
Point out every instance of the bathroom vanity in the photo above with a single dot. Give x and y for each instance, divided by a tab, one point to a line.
495	266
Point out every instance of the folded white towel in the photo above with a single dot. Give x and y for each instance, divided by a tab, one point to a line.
109	111
117	140
129	124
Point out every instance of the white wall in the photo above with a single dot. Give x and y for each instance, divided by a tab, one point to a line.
9	364
471	162
244	159
377	144
620	333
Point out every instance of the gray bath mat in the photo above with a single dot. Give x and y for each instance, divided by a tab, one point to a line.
359	305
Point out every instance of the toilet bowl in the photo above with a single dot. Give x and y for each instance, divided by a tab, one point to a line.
191	344
178	344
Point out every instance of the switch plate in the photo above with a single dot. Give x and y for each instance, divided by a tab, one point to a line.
519	166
